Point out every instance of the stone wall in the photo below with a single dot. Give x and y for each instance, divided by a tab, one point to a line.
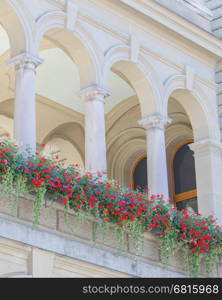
219	92
55	249
216	25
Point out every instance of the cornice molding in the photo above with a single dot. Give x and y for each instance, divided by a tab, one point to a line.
176	23
59	3
206	145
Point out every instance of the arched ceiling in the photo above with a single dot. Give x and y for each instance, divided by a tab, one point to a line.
58	80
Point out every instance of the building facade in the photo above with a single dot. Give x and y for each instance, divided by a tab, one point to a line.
131	87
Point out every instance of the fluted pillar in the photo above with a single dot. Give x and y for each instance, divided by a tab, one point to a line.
25	103
154	126
95	133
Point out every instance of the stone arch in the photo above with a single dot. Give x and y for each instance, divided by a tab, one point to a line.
70	154
201	112
6	125
71	132
140	75
125	157
6	108
78	44
123	151
14	21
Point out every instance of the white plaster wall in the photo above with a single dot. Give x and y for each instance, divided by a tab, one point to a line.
4	41
58	79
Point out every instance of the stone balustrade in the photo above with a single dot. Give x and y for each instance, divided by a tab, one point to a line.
76	242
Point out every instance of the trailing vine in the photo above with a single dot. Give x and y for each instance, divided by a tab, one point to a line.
168	246
39	198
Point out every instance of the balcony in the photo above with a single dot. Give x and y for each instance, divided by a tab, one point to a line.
77	241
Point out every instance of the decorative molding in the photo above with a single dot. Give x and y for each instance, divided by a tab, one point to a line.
93	93
71	15
59	3
190	76
135	46
176	23
25	61
155	121
206	145
201	9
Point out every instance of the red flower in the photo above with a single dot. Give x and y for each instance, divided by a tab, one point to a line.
30	164
108	185
204	227
4	162
65	201
4	151
37	183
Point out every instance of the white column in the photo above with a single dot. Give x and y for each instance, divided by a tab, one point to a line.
95	133
156	154
41	263
25	105
208	165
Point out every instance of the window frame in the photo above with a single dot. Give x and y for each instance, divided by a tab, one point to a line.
186	195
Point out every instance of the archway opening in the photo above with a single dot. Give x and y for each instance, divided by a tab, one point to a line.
139	174
181	163
6	75
15	27
67	140
126	139
67	153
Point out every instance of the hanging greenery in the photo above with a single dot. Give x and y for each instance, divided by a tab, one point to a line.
111	205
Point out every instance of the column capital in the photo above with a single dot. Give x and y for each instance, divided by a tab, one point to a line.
94	92
155	121
205	145
25	61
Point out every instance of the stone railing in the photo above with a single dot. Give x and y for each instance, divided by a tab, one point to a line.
78	241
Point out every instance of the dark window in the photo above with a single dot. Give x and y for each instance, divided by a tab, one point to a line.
184	170
140	174
185	179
